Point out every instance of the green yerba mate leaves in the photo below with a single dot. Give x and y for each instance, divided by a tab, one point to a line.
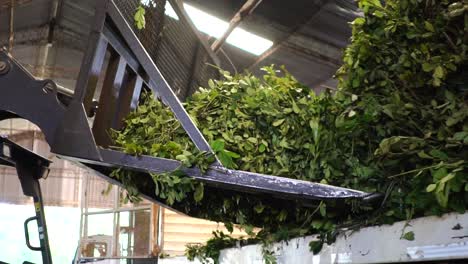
396	125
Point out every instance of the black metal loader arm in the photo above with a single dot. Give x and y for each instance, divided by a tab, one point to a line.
30	168
65	119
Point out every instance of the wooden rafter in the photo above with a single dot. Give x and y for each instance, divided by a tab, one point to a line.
244	12
6	4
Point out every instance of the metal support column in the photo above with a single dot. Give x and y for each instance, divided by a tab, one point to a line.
30	167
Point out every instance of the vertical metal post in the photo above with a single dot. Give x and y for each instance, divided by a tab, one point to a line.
161	212
85	233
80	234
154	241
94	73
116	220
128	98
42	227
108	102
29	175
12	29
92	50
131	230
84	216
41	62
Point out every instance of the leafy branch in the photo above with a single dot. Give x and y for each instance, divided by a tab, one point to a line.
397	124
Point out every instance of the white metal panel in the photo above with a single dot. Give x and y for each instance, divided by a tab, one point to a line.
177	260
436	238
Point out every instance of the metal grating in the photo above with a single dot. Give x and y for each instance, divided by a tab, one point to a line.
174	46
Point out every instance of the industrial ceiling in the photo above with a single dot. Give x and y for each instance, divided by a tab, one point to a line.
308	35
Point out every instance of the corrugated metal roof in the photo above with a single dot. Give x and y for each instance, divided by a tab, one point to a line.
32	13
308	35
73	16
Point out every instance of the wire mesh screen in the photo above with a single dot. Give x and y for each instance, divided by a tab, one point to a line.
173	45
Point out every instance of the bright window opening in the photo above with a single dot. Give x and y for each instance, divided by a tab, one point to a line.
215	27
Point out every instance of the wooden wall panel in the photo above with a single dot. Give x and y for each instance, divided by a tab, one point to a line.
179	230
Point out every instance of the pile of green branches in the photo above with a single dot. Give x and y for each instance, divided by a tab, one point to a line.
397	125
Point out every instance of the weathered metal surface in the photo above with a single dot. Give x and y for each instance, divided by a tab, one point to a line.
231	179
436	240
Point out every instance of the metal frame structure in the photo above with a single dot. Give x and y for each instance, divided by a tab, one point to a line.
64	119
115	210
30	168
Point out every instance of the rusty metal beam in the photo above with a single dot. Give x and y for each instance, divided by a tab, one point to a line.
5	4
12	29
39	34
245	11
327	60
54	9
